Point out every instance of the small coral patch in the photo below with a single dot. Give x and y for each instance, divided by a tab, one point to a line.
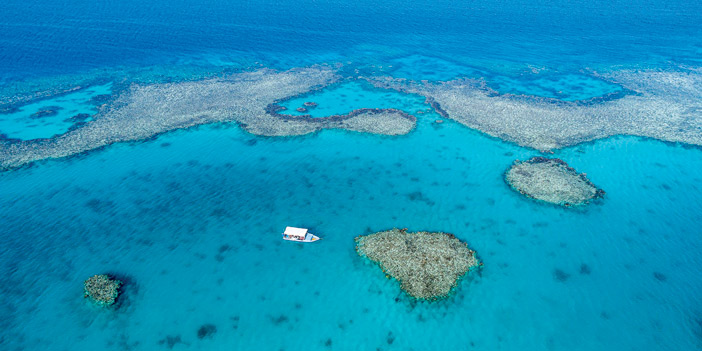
102	289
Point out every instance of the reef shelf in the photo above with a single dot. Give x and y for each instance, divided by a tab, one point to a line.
141	112
656	104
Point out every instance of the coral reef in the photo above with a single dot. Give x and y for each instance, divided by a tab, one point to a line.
427	265
102	289
551	180
377	121
661	105
142	111
367	120
45	112
81	117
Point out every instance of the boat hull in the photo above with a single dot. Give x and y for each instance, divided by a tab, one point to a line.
308	239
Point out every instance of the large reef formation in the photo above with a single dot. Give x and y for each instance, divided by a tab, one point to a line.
551	180
665	105
142	111
102	289
427	265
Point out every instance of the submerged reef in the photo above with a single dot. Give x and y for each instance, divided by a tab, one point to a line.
45	112
553	181
102	289
664	105
427	265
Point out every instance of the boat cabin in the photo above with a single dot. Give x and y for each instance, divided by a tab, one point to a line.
295	233
299	234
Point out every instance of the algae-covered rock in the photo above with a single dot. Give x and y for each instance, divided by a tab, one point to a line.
102	289
553	181
427	265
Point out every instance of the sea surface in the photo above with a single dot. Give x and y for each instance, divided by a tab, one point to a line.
191	219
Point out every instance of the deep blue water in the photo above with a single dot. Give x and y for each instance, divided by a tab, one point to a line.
191	218
49	37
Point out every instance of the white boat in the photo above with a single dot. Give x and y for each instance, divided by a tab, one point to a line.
299	234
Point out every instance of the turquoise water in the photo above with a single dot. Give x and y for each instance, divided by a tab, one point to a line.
346	97
193	220
60	113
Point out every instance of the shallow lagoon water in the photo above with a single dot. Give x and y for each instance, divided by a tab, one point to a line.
346	97
26	122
